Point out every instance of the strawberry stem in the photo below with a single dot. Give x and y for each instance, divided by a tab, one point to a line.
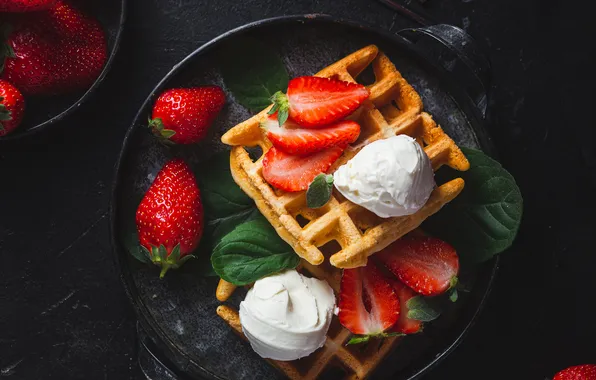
281	105
164	269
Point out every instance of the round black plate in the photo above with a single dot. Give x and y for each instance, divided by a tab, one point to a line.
43	111
178	313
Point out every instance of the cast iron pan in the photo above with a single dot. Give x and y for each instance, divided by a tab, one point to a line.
44	111
180	335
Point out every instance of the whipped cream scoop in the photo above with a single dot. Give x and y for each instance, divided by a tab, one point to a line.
286	316
390	177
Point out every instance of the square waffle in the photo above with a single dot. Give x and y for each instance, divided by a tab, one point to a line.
344	362
393	108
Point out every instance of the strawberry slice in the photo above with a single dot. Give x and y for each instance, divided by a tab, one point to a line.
295	140
428	265
404	324
367	283
314	102
294	173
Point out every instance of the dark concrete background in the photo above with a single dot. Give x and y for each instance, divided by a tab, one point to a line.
64	314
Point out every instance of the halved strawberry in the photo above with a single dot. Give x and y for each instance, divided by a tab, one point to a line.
367	283
315	102
404	324
295	140
294	173
428	265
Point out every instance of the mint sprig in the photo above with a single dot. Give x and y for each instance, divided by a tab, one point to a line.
319	191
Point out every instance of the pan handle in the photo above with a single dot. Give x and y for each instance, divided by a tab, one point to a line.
458	53
152	365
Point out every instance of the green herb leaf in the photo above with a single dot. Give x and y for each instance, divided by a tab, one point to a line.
319	191
484	219
420	310
453	296
251	251
256	76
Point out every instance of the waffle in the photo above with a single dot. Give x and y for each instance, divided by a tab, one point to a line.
345	362
393	108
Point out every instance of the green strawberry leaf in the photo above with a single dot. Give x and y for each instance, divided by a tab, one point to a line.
251	251
420	310
453	296
137	250
356	339
254	78
484	219
319	191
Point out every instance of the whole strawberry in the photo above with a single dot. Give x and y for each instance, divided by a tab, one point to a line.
184	115
12	107
56	51
25	5
170	217
578	372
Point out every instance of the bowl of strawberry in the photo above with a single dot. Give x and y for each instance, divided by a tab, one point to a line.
53	55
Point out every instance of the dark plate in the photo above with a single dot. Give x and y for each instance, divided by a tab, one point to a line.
44	111
178	313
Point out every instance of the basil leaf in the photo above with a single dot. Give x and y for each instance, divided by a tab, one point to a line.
319	191
251	251
420	310
253	73
225	205
484	219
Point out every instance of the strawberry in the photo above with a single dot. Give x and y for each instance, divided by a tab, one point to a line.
25	5
184	115
170	217
53	52
427	265
404	324
362	286
294	173
12	106
295	140
314	102
578	372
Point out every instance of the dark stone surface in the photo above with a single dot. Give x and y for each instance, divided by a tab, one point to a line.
64	314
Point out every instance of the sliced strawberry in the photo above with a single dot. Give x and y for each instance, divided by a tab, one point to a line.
367	282
404	324
295	140
294	173
427	265
315	102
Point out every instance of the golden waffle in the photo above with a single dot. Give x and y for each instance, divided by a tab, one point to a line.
393	108
354	361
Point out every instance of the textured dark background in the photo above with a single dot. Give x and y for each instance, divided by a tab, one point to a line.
64	314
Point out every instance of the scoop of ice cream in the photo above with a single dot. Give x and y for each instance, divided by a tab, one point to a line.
286	316
390	177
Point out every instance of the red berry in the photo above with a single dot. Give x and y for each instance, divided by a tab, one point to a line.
295	140
56	51
314	102
187	113
404	324
295	173
427	265
171	215
367	283
579	372
25	5
12	107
